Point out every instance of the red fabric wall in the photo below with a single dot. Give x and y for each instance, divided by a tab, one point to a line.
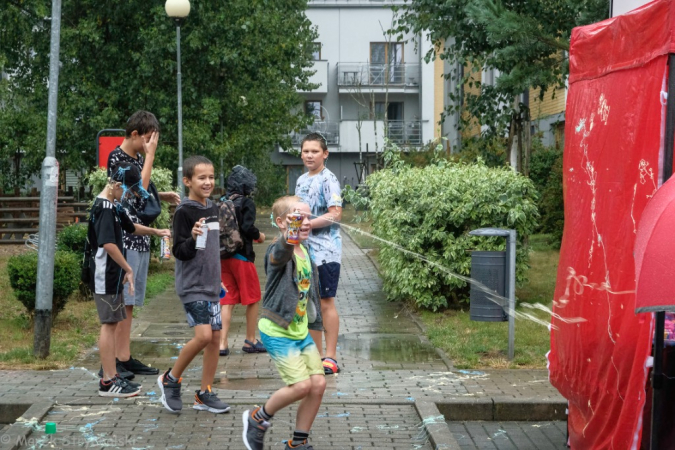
613	138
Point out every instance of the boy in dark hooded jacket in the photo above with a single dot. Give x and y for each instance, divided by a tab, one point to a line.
238	273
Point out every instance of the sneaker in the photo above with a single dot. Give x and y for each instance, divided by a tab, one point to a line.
121	371
130	383
208	401
304	446
136	367
254	431
117	388
170	393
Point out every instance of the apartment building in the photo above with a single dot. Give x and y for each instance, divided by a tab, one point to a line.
365	75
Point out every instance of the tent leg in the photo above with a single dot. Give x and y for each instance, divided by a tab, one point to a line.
657	378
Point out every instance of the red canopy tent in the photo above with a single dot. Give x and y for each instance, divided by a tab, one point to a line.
613	164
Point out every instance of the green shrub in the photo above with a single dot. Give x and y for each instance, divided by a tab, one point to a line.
492	151
163	179
546	174
552	204
22	271
73	239
430	210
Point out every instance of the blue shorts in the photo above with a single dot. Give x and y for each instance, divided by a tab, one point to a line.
329	274
204	313
296	361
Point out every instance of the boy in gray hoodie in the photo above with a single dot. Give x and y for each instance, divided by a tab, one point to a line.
197	285
290	308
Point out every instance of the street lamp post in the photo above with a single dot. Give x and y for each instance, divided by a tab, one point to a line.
178	10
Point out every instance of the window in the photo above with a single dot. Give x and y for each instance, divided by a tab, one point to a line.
386	62
394	111
313	108
316	51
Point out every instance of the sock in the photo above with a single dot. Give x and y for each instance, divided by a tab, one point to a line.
171	378
299	438
261	415
105	382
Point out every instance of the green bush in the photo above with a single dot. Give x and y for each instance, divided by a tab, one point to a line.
429	211
163	179
546	174
552	204
492	151
73	239
22	271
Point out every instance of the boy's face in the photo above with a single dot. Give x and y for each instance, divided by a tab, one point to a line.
138	140
202	182
313	156
117	191
305	228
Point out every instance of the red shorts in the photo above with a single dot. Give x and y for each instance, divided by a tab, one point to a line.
241	280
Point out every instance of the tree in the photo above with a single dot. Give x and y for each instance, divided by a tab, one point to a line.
525	41
242	64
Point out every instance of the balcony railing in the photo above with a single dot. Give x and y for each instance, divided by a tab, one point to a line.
404	132
329	130
384	75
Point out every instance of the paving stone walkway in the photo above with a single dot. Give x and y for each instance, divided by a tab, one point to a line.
395	391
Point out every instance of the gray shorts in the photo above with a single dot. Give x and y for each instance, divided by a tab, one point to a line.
110	308
139	262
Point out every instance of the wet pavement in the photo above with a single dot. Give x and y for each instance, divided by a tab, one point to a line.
395	390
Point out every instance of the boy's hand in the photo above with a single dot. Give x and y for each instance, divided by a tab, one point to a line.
171	197
162	233
150	145
223	286
261	239
197	228
129	278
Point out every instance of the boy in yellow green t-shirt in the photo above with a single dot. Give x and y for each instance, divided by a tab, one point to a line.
291	306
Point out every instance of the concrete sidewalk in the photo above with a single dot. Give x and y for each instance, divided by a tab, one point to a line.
395	390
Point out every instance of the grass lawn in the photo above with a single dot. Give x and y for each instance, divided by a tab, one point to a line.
75	330
474	345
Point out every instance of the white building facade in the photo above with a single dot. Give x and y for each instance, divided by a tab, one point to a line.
365	76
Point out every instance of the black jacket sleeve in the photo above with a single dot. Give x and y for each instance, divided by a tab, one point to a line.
183	244
247	225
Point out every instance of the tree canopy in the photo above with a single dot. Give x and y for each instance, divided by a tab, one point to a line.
524	40
243	62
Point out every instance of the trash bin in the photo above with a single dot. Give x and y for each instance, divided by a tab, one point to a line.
488	268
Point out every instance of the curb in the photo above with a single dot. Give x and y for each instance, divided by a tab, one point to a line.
17	434
500	409
437	429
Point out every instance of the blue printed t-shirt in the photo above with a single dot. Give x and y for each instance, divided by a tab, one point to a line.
297	329
320	192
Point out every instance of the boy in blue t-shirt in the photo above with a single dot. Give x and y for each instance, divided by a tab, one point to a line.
109	270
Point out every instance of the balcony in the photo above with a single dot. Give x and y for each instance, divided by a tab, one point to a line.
401	77
405	132
320	77
329	130
399	131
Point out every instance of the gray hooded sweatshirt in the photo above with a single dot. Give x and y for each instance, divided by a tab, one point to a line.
197	271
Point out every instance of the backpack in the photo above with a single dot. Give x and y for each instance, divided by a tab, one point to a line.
230	237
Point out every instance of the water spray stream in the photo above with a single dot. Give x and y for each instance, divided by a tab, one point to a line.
492	295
